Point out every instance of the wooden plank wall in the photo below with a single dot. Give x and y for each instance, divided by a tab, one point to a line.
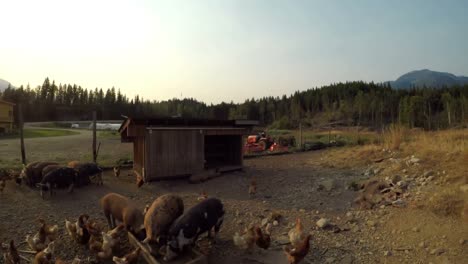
172	153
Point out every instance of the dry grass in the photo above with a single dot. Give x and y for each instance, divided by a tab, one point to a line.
394	136
448	202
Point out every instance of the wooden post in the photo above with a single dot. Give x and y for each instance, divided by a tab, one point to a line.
94	137
300	135
329	135
20	121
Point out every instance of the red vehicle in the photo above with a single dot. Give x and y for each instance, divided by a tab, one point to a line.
261	143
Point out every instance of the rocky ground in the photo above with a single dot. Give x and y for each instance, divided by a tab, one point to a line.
317	187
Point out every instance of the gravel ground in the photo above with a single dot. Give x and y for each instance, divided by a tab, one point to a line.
288	184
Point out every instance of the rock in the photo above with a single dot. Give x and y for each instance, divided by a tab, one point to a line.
462	241
323	223
415	229
371	223
404	171
423	244
349	214
430	178
428	173
464	188
399	203
377	171
264	221
387	253
240	222
302	210
275	223
330	260
402	184
328	185
282	240
437	251
396	178
414	160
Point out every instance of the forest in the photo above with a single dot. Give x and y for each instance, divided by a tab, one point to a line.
350	103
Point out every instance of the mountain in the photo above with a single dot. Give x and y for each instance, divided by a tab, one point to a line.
428	78
3	85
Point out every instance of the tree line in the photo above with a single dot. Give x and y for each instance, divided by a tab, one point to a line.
350	103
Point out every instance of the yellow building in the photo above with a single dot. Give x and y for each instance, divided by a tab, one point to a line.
6	117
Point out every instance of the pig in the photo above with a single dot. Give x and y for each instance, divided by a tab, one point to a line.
59	178
118	207
32	173
161	214
85	171
201	218
49	168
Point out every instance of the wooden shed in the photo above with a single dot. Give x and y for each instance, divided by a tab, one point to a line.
165	148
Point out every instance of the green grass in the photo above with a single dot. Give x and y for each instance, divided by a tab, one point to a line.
36	133
108	134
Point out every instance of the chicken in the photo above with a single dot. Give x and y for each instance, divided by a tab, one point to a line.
107	244
45	256
252	188
117	171
81	230
246	241
37	242
12	256
130	258
202	196
95	244
50	231
2	185
71	229
296	235
298	253
263	239
114	233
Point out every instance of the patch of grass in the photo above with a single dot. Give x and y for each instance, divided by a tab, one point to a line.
108	134
448	202
36	133
394	136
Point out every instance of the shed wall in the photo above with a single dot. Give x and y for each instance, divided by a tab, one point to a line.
173	153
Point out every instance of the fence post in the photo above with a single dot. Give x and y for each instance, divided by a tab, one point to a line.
20	121
94	136
300	136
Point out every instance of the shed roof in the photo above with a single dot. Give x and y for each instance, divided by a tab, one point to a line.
185	122
6	102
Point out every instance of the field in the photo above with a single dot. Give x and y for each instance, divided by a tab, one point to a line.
35	133
308	185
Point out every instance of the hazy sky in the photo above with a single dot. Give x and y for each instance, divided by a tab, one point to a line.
227	50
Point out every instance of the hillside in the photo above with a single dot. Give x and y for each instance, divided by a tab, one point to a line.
428	78
3	85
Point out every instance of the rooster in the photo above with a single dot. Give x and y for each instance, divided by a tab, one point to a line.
71	229
12	256
296	235
246	241
263	239
130	258
298	253
252	188
202	196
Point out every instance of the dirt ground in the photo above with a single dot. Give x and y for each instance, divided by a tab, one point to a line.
309	186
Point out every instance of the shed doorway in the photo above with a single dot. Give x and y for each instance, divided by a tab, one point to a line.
222	151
